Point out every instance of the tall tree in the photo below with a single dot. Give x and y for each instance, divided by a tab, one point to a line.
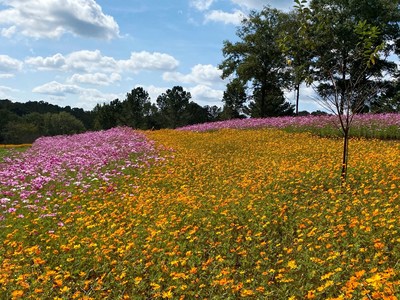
234	99
62	123
274	104
349	49
257	58
109	115
297	51
137	107
173	104
342	30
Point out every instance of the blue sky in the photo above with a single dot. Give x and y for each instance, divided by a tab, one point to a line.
83	52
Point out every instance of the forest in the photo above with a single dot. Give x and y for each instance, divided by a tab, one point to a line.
347	51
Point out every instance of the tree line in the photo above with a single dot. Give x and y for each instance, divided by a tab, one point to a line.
25	122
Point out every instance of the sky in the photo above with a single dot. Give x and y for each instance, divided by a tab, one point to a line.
82	52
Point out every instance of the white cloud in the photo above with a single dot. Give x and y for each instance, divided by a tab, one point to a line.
53	18
8	32
90	61
5	91
259	4
95	79
56	61
201	4
57	89
200	74
7	75
148	61
203	95
234	18
94	62
9	64
88	98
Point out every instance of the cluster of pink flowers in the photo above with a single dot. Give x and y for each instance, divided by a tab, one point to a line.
28	180
362	120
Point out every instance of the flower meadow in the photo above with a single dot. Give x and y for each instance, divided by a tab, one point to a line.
60	164
384	126
220	214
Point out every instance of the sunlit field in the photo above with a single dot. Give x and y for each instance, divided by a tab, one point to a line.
220	214
381	126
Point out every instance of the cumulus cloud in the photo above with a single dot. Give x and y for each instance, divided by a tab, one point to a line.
90	61
86	61
95	79
234	18
200	74
201	4
9	65
148	61
7	75
206	95
57	89
259	4
8	32
5	91
88	98
56	61
53	18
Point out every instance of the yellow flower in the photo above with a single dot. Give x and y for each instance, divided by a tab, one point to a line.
245	293
292	264
17	294
138	280
167	295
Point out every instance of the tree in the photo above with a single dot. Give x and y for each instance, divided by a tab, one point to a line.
349	55
214	113
195	114
257	58
173	104
295	47
62	123
234	100
107	116
389	100
345	35
20	132
274	104
137	107
6	116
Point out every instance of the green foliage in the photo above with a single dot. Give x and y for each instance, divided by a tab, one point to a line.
172	105
31	126
137	108
273	106
234	99
256	58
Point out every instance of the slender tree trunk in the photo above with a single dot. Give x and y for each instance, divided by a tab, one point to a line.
297	89
343	85
345	155
263	96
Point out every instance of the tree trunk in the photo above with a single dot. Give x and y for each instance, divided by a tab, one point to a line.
345	155
297	89
343	85
263	96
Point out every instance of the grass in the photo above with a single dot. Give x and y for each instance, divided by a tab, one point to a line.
230	214
7	150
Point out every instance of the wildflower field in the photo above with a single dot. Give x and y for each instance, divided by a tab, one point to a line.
179	214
